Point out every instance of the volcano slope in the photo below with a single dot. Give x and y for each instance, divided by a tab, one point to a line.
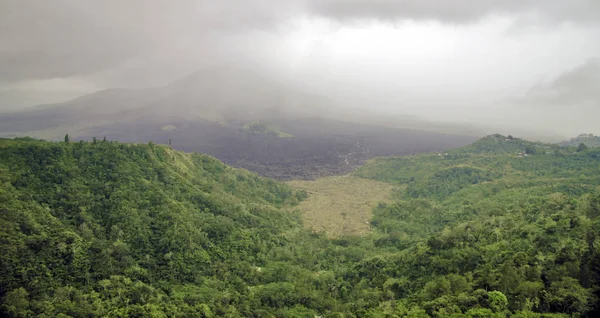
119	230
209	111
317	148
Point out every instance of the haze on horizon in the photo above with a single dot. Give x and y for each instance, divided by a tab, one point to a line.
529	64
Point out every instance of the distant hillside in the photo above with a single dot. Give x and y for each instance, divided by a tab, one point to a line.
588	139
508	155
499	144
463	179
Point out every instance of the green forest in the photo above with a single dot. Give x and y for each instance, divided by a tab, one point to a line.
500	228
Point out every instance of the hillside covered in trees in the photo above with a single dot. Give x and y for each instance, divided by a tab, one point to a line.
587	139
500	227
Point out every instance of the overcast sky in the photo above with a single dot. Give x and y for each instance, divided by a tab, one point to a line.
521	62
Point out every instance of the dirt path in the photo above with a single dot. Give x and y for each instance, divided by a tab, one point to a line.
341	204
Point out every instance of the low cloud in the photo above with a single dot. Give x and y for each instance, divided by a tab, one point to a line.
574	89
62	38
567	105
457	11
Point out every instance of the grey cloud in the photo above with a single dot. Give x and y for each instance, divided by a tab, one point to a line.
15	100
568	104
143	43
45	39
61	38
576	88
456	11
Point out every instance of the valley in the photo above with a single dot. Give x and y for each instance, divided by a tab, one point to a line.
299	159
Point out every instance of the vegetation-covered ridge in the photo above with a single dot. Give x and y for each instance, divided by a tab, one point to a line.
587	139
106	228
503	227
504	214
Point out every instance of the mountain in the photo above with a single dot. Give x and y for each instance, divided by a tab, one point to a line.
218	95
208	111
110	229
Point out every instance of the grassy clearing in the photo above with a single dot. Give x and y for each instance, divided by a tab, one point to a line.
341	204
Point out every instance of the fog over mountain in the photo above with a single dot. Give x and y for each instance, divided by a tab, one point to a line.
523	67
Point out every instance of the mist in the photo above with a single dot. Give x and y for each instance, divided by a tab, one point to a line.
529	67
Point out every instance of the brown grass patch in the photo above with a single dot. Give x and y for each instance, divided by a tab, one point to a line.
341	204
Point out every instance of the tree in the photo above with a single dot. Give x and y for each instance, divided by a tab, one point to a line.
498	301
67	138
582	147
530	150
567	295
16	303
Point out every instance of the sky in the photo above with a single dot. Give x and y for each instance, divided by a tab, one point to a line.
524	63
